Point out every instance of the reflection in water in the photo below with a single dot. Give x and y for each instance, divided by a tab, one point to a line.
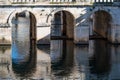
23	58
23	46
62	56
4	62
100	61
63	61
45	48
81	62
24	66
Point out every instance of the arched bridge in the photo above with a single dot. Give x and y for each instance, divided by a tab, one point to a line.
77	22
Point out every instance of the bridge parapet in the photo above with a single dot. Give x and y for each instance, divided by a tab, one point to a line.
66	2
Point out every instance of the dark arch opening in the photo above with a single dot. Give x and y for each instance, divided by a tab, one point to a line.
63	25
101	24
62	34
24	44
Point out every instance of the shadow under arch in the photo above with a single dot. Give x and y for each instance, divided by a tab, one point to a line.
62	26
101	23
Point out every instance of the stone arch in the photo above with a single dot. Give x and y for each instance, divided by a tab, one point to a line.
101	23
63	23
51	14
107	10
66	10
11	16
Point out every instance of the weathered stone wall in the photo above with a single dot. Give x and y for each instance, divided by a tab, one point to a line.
5	35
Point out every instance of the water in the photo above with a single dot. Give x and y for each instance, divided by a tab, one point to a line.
62	60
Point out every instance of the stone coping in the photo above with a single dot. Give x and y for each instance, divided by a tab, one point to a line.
56	5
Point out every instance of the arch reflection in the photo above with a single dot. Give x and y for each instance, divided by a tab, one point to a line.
62	57
100	62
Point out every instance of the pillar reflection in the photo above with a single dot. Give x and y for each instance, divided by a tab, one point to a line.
100	61
62	57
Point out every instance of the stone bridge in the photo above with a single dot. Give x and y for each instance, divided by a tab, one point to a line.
77	22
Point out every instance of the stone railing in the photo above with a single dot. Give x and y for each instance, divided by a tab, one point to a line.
22	1
80	2
103	1
83	1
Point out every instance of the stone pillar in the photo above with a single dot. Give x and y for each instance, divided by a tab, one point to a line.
81	35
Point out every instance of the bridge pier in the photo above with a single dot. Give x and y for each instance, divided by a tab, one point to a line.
81	35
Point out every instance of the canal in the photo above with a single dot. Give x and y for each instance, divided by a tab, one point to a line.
62	60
